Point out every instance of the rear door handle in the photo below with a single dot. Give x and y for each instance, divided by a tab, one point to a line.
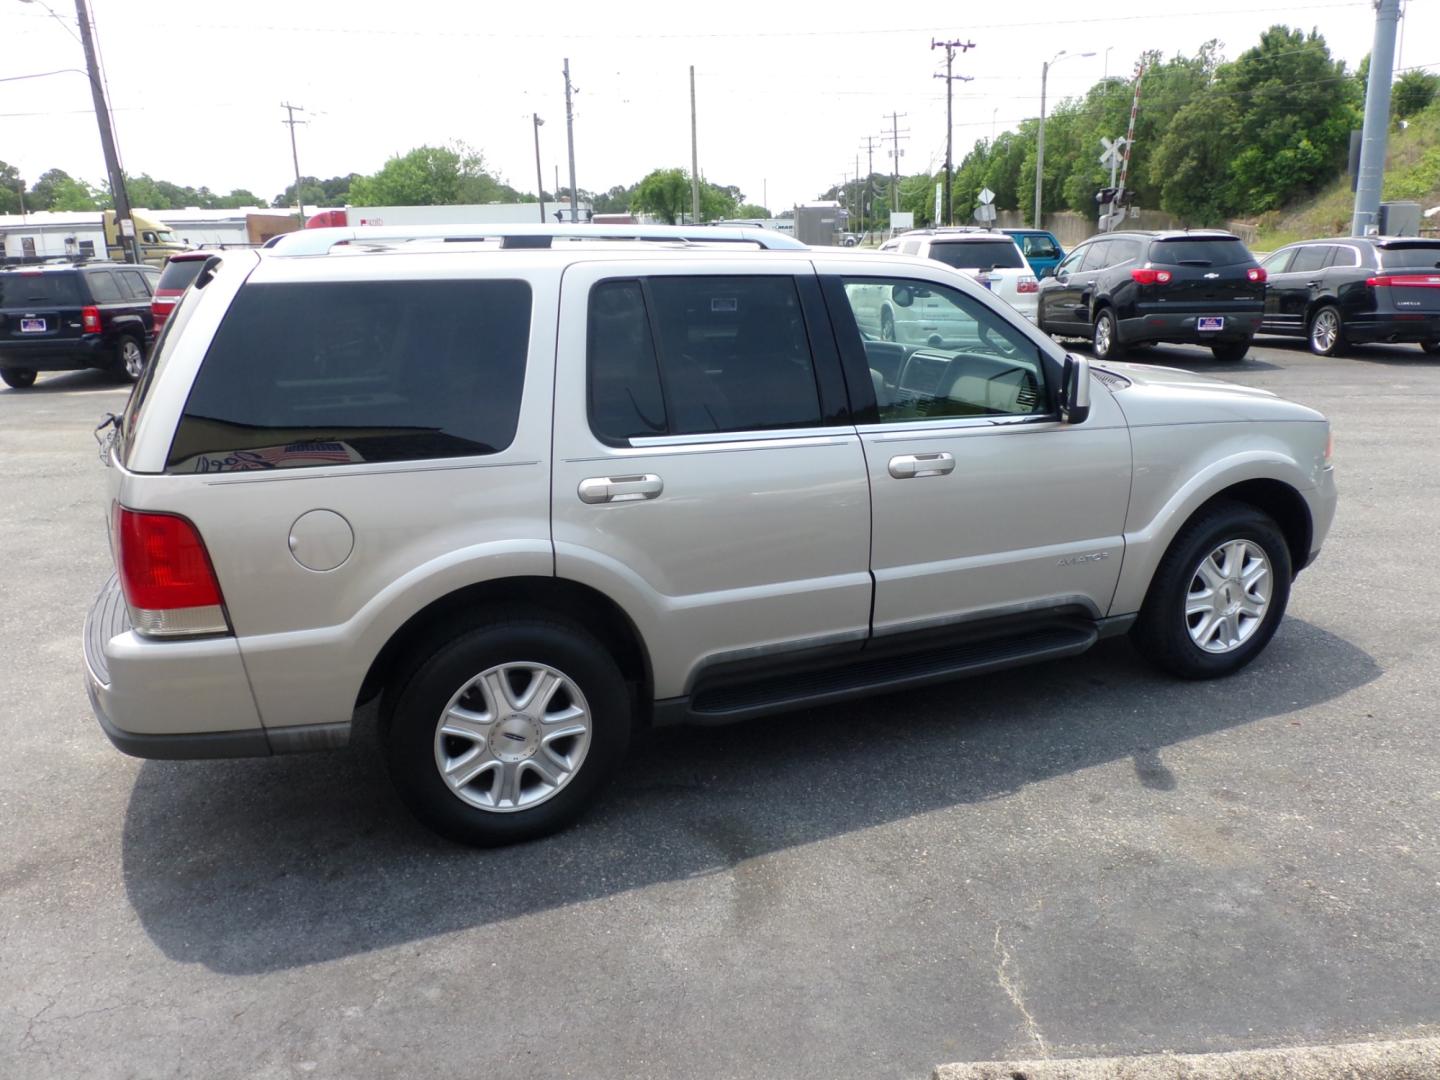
1313	284
913	466
611	489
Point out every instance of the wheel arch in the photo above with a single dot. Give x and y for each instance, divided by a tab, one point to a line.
1280	501
559	597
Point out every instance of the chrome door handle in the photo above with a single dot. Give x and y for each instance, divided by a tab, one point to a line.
1313	284
603	489
911	466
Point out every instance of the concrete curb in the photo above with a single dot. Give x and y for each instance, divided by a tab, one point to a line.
1409	1059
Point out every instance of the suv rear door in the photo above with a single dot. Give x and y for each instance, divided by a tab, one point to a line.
706	474
1207	273
40	305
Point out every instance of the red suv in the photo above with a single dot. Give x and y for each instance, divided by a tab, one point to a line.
180	270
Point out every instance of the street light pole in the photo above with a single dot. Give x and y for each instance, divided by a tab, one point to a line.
539	176
1040	134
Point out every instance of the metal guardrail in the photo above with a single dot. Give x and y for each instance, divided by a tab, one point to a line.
321	241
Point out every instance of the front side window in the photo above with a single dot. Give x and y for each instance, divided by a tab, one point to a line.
1279	262
1098	255
697	355
321	374
968	360
1040	247
1071	262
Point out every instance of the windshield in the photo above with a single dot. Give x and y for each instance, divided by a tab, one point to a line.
1212	251
1417	256
36	290
977	254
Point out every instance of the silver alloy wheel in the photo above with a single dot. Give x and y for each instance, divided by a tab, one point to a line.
1229	595
512	736
133	358
1104	333
1325	330
887	326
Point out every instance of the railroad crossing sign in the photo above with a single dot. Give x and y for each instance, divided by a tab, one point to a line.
1114	151
986	196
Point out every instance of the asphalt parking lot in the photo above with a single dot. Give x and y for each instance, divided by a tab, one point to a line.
1083	858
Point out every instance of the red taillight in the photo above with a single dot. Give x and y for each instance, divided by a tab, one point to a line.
1151	277
1406	281
160	308
90	320
1028	284
165	571
1256	273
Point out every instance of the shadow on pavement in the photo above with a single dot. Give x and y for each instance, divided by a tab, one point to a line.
62	382
253	866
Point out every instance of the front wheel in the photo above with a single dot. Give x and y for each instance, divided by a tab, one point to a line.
1231	351
887	325
1327	332
506	733
1431	347
129	358
1218	594
18	378
1106	339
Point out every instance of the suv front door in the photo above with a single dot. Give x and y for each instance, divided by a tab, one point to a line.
984	502
706	474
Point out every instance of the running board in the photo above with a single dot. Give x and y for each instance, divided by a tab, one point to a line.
863	676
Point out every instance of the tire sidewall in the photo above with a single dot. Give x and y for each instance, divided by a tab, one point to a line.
1161	629
416	710
1339	342
1105	314
120	368
18	378
1232	351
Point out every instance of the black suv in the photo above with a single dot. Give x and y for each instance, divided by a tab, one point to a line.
64	317
1355	289
1139	288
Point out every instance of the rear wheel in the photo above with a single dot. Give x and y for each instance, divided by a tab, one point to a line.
1431	347
887	325
1327	331
1106	339
129	358
1231	350
1218	594
506	732
19	378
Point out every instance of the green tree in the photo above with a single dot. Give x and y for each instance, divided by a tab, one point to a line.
1412	93
751	210
432	176
664	193
10	188
42	193
69	194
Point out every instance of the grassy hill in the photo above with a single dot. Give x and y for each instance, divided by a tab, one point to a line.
1412	171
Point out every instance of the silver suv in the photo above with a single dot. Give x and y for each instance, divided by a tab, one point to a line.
528	494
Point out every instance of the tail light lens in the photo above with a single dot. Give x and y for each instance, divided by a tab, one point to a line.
1151	277
1409	281
170	586
1028	284
1257	273
90	320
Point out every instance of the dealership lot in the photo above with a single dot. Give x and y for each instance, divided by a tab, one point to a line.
1081	858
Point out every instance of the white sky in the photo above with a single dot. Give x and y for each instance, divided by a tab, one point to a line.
787	92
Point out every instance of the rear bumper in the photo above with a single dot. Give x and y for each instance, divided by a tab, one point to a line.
1412	328
67	354
1182	327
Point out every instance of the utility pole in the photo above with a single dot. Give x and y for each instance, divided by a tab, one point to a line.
295	156
895	154
123	219
950	77
859	196
570	140
1377	120
869	175
694	157
1040	135
539	176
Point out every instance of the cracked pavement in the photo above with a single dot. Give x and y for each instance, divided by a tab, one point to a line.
1079	859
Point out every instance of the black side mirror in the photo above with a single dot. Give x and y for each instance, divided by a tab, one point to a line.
1075	389
903	295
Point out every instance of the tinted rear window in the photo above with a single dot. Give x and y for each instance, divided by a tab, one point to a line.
179	273
325	374
38	290
982	254
1209	252
1411	257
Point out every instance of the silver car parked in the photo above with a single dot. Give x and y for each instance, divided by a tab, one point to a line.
530	490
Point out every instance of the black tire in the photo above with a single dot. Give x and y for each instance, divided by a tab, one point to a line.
1322	341
129	361
18	378
887	325
1105	338
1162	633
1231	351
1431	347
440	671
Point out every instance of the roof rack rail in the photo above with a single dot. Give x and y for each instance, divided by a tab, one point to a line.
321	241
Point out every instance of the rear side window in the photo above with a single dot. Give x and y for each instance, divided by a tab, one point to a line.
103	287
1410	257
38	290
1313	257
134	285
179	273
698	355
1212	251
1097	255
325	374
978	254
1122	251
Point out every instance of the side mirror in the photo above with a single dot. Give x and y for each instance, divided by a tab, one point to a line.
903	295
1075	389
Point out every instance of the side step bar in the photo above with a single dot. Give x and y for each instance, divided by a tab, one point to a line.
862	676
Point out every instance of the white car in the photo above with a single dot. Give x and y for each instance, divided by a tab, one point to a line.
991	258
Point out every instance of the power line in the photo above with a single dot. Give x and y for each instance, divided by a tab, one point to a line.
950	77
